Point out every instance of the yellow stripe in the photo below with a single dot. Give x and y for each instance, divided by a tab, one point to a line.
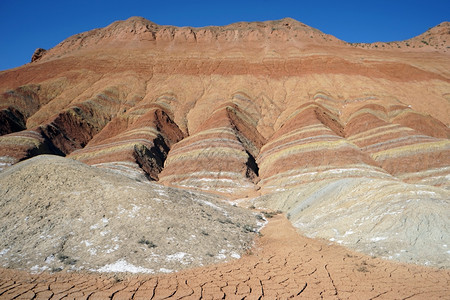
310	128
306	147
410	111
380	114
15	140
297	111
381	134
411	150
143	130
444	171
206	143
221	130
208	152
93	153
372	131
202	174
307	140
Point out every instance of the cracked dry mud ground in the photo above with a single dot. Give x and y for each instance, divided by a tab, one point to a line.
283	264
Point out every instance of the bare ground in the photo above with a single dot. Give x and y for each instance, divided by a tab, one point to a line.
283	264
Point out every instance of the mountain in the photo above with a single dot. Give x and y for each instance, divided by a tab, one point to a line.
350	141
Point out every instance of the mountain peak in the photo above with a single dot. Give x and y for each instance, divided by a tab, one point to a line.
138	32
133	21
289	21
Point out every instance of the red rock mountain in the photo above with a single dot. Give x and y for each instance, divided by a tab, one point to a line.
272	109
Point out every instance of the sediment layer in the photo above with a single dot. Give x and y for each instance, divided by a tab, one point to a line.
351	143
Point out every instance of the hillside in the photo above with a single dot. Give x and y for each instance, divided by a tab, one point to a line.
75	217
350	142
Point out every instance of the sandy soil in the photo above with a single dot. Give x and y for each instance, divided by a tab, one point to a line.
282	265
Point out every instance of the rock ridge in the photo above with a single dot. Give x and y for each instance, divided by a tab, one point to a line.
138	32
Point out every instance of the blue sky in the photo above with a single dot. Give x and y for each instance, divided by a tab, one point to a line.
26	25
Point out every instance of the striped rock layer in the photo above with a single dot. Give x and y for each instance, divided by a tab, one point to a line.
220	157
411	154
275	111
361	179
137	141
63	132
310	147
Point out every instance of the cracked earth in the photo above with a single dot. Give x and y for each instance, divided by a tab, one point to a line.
283	264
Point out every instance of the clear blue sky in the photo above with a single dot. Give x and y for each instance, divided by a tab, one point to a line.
26	25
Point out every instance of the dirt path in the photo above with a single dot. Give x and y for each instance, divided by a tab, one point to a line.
282	265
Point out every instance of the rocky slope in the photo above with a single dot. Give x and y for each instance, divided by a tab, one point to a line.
75	217
351	142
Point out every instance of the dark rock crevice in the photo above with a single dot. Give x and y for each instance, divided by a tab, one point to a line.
252	168
12	120
17	106
151	160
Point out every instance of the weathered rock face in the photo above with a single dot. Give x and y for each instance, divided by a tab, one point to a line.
277	112
38	54
13	120
141	137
